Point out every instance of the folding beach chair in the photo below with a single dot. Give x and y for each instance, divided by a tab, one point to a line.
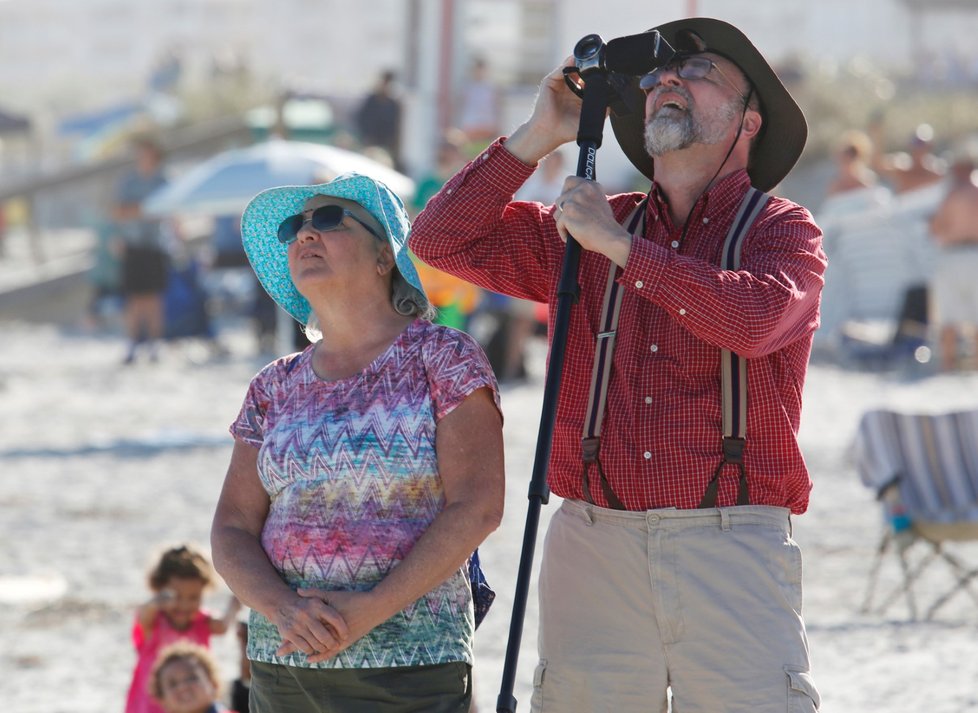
924	470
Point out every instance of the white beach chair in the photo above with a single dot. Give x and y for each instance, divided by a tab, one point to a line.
924	470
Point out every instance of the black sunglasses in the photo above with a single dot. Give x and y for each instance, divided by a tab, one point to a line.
327	217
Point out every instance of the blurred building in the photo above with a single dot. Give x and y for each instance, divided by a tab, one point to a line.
45	44
62	57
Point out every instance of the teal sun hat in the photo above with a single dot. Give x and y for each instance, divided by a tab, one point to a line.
269	257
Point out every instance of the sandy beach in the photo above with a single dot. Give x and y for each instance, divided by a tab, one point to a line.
102	465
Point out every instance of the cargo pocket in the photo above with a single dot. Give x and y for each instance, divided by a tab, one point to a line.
536	701
802	694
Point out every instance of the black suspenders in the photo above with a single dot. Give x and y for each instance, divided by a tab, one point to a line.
733	370
733	367
604	350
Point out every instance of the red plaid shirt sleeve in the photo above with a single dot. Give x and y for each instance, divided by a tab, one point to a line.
661	440
504	246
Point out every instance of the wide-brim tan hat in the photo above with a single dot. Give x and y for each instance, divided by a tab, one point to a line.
784	130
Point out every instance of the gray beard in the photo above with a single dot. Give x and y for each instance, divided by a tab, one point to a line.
668	133
675	131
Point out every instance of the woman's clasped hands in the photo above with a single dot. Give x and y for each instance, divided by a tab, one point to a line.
322	623
311	625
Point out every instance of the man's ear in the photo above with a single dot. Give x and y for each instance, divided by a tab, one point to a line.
751	124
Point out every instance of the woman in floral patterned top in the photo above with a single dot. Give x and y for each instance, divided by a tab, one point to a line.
365	471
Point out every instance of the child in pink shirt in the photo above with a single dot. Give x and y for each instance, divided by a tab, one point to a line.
178	582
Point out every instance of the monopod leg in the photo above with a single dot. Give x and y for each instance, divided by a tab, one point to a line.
595	103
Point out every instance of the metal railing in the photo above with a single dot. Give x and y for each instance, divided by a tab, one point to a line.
81	195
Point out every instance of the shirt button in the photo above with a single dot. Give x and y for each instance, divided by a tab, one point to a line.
648	456
639	284
448	191
706	221
654	348
648	399
675	243
682	311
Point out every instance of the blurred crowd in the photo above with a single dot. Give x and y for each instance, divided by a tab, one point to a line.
901	235
156	284
898	223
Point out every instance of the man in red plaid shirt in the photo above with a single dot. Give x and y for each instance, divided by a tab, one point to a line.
665	573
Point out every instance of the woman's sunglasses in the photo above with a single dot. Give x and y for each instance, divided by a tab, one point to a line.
695	67
327	217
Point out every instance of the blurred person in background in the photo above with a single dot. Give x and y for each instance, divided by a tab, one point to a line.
480	109
918	168
186	302
105	275
855	187
855	196
240	692
954	287
178	579
143	255
226	242
366	469
449	158
454	299
378	119
917	179
185	679
852	164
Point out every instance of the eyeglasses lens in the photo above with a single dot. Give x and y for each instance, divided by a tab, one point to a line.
686	68
289	228
325	217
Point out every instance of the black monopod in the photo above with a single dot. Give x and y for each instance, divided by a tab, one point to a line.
606	70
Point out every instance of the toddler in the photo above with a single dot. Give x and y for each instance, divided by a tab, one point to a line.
184	680
178	582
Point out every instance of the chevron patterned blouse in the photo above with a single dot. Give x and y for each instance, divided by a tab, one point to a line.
352	475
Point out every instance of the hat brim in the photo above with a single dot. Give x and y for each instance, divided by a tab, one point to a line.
785	129
269	257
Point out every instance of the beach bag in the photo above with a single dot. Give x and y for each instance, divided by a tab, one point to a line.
482	593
